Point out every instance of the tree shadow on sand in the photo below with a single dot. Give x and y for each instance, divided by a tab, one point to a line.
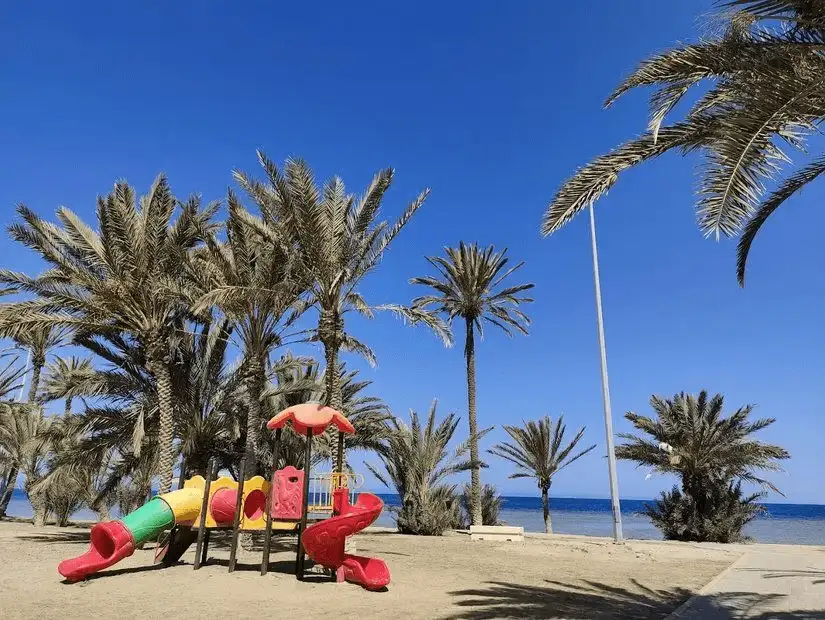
57	537
596	601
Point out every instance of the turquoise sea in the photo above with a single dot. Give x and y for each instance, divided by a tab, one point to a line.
802	524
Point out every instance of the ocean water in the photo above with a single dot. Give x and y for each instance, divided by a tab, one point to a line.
800	524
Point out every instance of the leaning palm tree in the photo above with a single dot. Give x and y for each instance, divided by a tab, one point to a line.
761	89
710	453
337	240
124	280
253	283
470	286
62	376
417	464
538	451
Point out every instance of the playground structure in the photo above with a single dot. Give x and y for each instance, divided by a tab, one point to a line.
283	504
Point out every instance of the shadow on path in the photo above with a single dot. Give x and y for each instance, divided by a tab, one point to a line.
593	600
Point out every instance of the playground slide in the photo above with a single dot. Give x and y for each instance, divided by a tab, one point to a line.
112	541
324	541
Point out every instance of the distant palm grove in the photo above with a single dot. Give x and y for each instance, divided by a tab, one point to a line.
179	324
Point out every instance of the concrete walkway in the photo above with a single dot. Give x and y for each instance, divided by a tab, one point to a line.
767	582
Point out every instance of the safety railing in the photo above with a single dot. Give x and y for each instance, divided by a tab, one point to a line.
321	487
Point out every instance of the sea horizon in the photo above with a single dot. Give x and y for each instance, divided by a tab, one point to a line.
783	522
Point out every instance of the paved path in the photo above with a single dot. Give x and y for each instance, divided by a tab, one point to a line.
768	582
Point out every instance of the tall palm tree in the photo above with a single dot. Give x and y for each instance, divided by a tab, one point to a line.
252	282
762	89
470	286
62	376
124	279
337	239
689	437
417	464
538	451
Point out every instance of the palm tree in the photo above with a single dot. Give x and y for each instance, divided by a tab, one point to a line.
251	281
762	87
24	446
337	240
62	376
538	452
417	464
689	437
469	287
37	340
124	280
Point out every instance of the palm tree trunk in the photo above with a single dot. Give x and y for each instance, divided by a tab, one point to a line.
166	459
38	501
545	508
37	368
330	330
475	472
68	406
254	386
39	509
332	382
8	490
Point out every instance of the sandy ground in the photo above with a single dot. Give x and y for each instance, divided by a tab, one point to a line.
447	577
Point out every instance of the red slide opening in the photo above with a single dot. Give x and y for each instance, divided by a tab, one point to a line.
110	542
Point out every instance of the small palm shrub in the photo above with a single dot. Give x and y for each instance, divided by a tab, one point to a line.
490	506
417	464
677	516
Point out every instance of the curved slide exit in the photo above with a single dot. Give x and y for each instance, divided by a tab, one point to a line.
112	541
324	541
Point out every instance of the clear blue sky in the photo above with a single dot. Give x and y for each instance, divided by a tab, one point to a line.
492	105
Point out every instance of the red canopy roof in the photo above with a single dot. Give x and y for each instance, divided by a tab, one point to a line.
311	416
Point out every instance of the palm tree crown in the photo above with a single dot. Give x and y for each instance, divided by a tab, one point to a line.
125	279
690	437
468	286
765	89
62	378
538	451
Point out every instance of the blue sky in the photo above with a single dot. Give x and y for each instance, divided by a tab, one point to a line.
491	105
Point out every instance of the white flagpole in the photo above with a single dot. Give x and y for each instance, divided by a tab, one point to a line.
608	417
25	374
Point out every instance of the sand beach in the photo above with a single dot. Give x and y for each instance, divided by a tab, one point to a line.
441	577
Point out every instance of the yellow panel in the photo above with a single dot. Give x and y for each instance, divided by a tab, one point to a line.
255	485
